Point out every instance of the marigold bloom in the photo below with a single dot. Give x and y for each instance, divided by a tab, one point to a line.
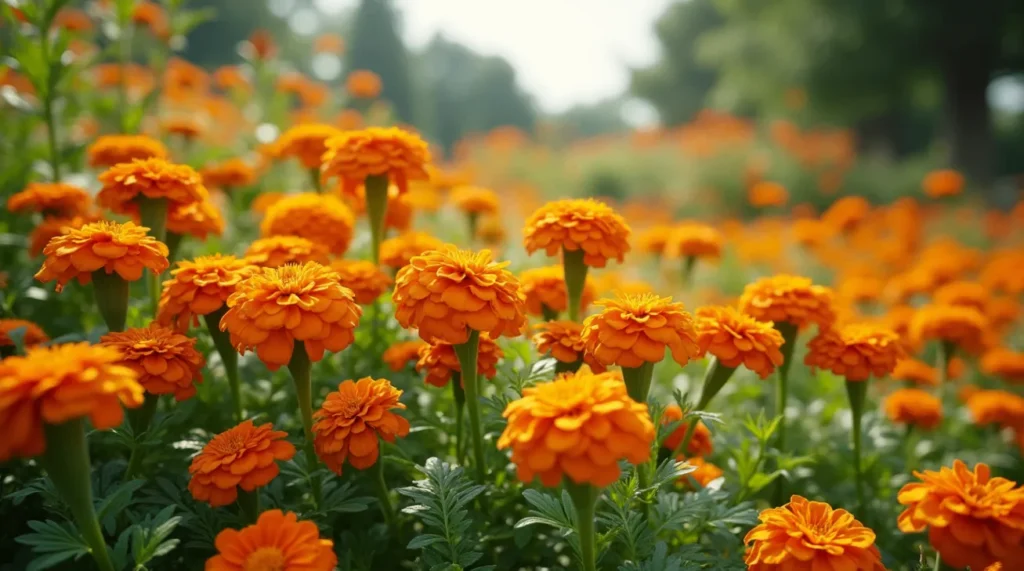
705	472
200	219
1002	272
474	200
262	203
700	443
306	143
151	15
943	182
693	240
1001	408
445	293
32	334
440	361
577	426
363	277
166	362
124	249
545	288
397	252
790	299
52	199
110	150
654	239
917	372
967	294
232	173
973	520
763	194
636	329
50	228
273	308
399	355
149	178
329	44
960	325
1005	363
55	384
276	251
804	535
736	339
847	213
914	407
581	224
363	84
199	287
276	541
320	218
564	341
348	424
240	457
855	351
392	152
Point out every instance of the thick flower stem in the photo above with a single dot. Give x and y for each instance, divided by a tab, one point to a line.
715	377
228	355
638	381
548	313
575	276
789	333
249	505
301	369
173	245
857	391
473	219
584	499
937	566
467	354
153	213
688	264
111	292
140	419
945	354
66	461
563	367
380	486
376	210
459	395
314	179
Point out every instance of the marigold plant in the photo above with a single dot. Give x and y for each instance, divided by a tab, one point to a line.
278	540
578	225
636	329
700	444
321	219
199	287
397	252
736	339
244	456
913	407
563	340
352	419
440	362
305	143
166	362
31	334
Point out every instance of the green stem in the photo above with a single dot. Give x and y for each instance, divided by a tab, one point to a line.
638	381
249	505
688	264
387	509
314	177
584	499
547	313
474	220
51	134
857	392
937	566
173	245
459	395
467	354
153	214
715	377
944	355
575	277
228	355
111	292
66	461
376	211
563	367
789	333
140	420
301	370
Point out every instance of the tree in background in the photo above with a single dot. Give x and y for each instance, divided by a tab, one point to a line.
375	44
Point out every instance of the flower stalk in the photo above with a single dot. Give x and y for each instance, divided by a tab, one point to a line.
575	277
467	354
380	486
301	369
153	213
228	356
459	396
376	211
857	392
584	499
789	333
249	505
111	292
638	381
140	419
715	377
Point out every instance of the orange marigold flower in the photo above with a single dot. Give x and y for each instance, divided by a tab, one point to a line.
636	329
329	44
199	287
960	325
564	341
973	520
943	182
72	20
917	372
914	407
491	230
110	150
55	384
847	213
276	251
240	457
1005	363
52	199
1001	408
578	426
148	178
320	218
151	15
700	443
200	219
399	355
232	173
579	224
693	240
440	361
102	246
967	294
307	143
654	239
231	77
1002	312
804	535
49	228
31	334
262	203
1002	272
544	288
273	308
790	299
376	151
763	194
855	351
474	200
737	339
348	424
363	84
704	472
445	293
364	278
165	362
277	540
397	252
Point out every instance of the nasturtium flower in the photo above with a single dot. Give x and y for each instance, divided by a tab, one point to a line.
791	299
52	199
110	150
322	219
855	351
277	541
578	224
364	278
165	361
110	247
636	329
737	339
399	155
352	419
913	407
244	456
152	178
440	361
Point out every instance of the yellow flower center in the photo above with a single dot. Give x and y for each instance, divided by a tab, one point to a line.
265	559
352	408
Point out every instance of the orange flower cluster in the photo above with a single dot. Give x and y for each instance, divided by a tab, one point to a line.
474	200
124	249
306	143
855	351
165	362
110	150
564	341
277	540
199	287
52	199
636	329
363	84
693	240
363	277
913	407
354	155
545	288
942	183
962	326
348	424
244	456
439	360
32	334
654	239
397	252
1005	363
700	443
736	339
572	225
322	219
399	355
790	299
150	178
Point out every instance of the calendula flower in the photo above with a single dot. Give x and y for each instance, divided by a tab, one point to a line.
855	351
439	360
704	472
474	200
199	287
199	219
913	407
31	334
166	362
108	247
545	291
764	194
352	156
1005	363
943	182
1002	408
305	143
448	292
244	456
563	340
110	150
352	418
153	178
790	299
966	294
736	339
276	251
56	384
232	173
399	355
916	372
363	84
585	225
49	228
398	251
973	520
636	329
959	325
278	540
578	426
55	199
700	443
322	219
693	240
364	278
273	308
805	535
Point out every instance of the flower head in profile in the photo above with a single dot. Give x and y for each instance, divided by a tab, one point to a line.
263	201
998	407
396	252
364	278
916	372
700	443
960	325
790	299
973	520
124	249
474	200
31	334
578	426
399	155
49	228
199	287
440	362
352	419
913	407
110	150
199	219
963	293
943	182
764	194
277	541
166	362
305	143
806	535
52	199
55	384
578	224
636	329
855	351
654	239
244	456
563	340
544	288
737	339
693	240
232	173
276	251
448	292
402	353
1002	272
1004	362
149	178
319	218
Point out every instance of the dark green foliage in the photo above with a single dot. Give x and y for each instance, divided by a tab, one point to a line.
374	44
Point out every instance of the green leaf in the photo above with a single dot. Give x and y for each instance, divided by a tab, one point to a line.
109	507
53	543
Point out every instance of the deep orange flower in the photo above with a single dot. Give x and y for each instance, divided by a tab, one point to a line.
375	151
165	362
397	252
693	240
262	43
232	173
364	278
276	251
705	472
1005	363
262	203
399	355
636	329
351	420
1002	272
55	384
913	407
440	361
855	351
736	339
200	219
273	308
52	199
581	224
967	294
445	293
108	246
700	443
654	239
1003	312
148	178
998	407
231	77
320	218
791	299
184	81
306	143
363	84
186	127
49	228
545	288
972	518
199	287
276	541
564	341
32	334
917	372
847	213
72	20
763	194
329	44
474	200
943	182
244	456
577	426
110	150
151	15
804	536
962	326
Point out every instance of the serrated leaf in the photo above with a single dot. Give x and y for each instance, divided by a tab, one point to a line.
425	540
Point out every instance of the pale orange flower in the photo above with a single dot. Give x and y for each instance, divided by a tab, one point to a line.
475	200
913	407
943	182
396	252
199	219
736	339
763	194
917	372
693	240
364	278
352	156
199	287
791	299
440	362
363	84
276	541
306	143
153	178
231	173
276	251
52	199
110	150
399	355
700	443
124	249
320	218
244	456
962	326
636	329
353	418
564	341
572	225
855	351
544	288
705	472
1004	362
165	362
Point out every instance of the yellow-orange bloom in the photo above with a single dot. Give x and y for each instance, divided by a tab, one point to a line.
545	288
198	219
399	355
448	292
105	246
262	203
149	178
439	360
578	426
973	520
636	329
352	418
998	407
855	351
917	372
363	277
583	224
306	143
1005	363
1002	272
55	384
232	173
49	228
704	472
392	152
52	199
398	251
273	308
165	362
363	84
32	334
943	182
110	150
244	456
693	240
807	536
966	294
276	541
700	443
276	251
320	218
765	193
199	287
564	341
790	299
737	339
474	200
913	407
960	325
654	239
